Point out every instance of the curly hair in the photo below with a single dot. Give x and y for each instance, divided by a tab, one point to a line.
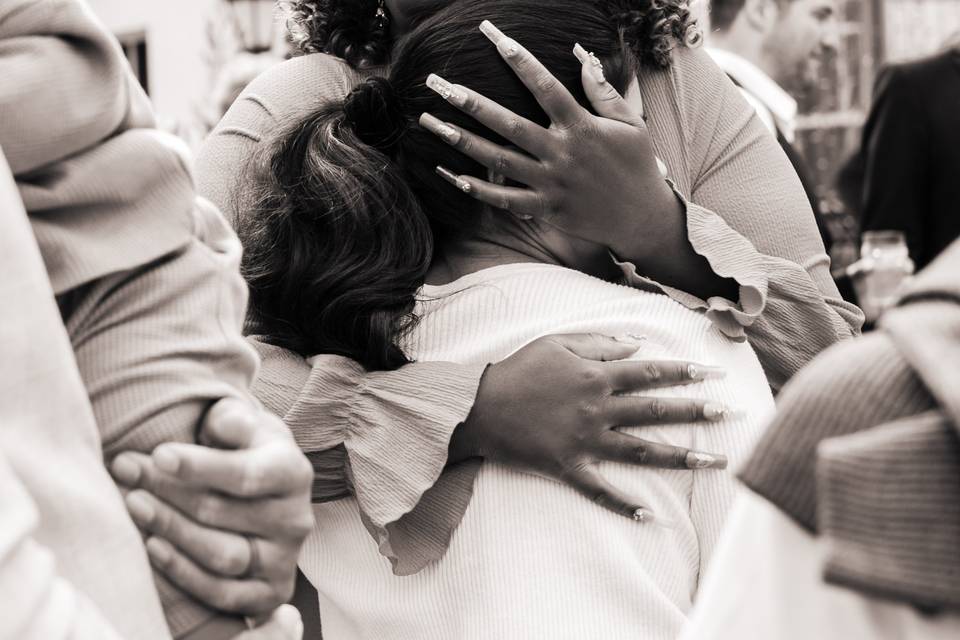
348	29
352	30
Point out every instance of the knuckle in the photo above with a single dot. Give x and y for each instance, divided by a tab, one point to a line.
679	458
471	104
658	409
546	83
515	126
653	372
230	560
302	525
501	163
641	453
467	144
207	509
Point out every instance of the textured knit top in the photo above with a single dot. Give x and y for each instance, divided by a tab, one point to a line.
865	450
146	277
746	213
532	558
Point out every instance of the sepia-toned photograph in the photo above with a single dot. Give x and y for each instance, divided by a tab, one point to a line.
480	319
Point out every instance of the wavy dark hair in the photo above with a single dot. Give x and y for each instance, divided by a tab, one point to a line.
351	29
345	208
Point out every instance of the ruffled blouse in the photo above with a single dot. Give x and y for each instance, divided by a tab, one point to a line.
384	436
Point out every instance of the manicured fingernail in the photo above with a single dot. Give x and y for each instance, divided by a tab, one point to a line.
439	128
508	47
647	517
632	339
454	179
140	508
699	460
596	69
449	92
581	54
705	372
125	470
166	460
715	412
159	551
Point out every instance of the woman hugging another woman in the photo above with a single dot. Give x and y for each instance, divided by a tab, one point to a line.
364	241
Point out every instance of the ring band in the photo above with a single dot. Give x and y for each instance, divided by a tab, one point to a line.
253	566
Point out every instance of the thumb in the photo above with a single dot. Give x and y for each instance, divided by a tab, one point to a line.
593	346
284	624
606	100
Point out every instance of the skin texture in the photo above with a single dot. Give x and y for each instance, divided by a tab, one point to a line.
782	37
203	506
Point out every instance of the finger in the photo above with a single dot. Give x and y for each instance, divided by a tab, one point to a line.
593	346
525	134
606	100
273	468
638	375
128	468
218	551
524	203
246	597
621	447
588	481
503	161
633	411
284	624
558	103
231	423
286	518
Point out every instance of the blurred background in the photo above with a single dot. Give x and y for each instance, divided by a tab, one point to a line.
194	57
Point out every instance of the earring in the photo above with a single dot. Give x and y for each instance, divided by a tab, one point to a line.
382	17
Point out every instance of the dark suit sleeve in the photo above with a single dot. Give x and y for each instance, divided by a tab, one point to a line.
894	144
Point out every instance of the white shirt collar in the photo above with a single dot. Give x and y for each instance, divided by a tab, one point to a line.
782	107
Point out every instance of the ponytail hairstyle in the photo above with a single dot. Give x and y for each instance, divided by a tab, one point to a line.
344	209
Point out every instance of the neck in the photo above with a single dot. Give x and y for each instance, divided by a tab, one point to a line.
511	241
748	46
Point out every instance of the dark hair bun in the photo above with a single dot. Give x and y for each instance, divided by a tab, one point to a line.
349	29
375	112
651	28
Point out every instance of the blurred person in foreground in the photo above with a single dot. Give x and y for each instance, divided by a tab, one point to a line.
910	155
853	526
766	47
125	337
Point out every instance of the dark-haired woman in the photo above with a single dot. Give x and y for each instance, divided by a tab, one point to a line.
409	439
357	245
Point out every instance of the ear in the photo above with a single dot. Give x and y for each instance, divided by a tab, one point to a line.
761	15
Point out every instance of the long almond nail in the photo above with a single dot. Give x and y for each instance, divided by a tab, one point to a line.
700	460
508	47
581	54
705	372
493	34
439	128
715	411
449	92
454	179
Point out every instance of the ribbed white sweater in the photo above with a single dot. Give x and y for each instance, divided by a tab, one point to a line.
532	558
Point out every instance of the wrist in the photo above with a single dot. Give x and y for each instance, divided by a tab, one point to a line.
645	244
465	443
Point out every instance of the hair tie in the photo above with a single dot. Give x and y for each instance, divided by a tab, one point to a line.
375	112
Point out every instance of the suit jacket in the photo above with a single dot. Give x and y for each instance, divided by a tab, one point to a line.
911	154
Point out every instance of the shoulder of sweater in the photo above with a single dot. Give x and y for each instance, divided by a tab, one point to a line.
868	369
